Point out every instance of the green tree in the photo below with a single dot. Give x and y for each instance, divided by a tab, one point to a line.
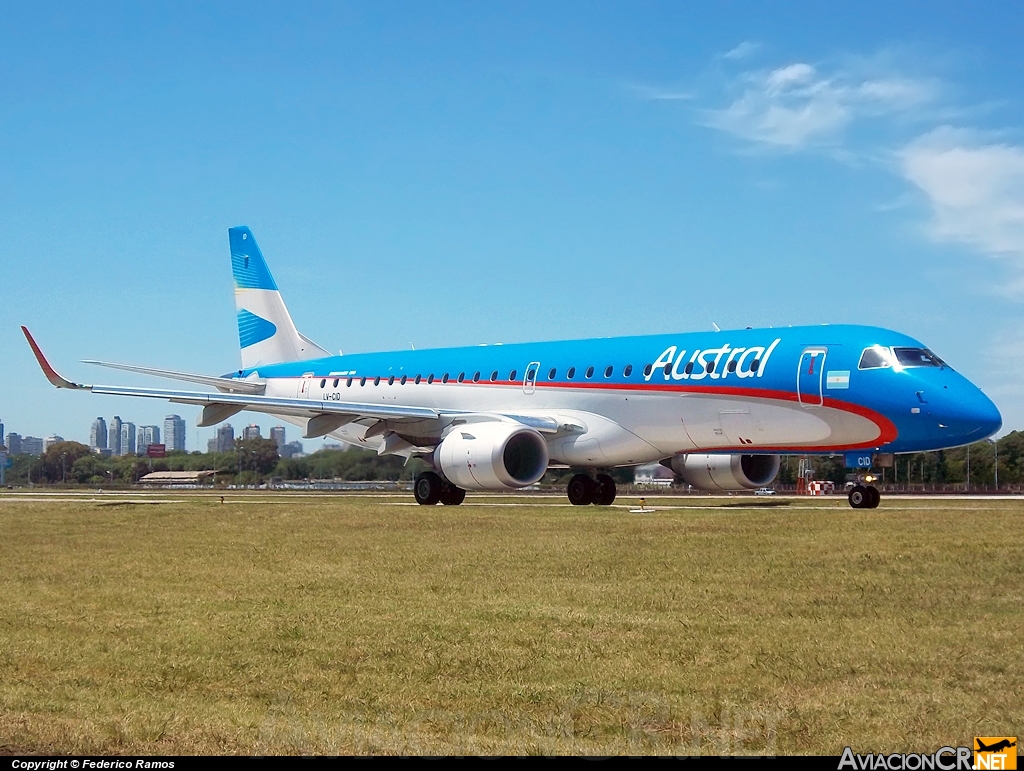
88	468
58	462
257	455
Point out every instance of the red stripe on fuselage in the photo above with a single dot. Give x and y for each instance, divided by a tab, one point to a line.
886	428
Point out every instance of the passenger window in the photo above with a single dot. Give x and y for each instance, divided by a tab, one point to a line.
402	381
512	375
608	371
335	382
323	383
628	370
362	382
476	377
348	383
444	378
590	372
875	357
688	369
430	378
417	380
710	367
647	370
376	380
494	376
754	365
571	373
391	380
668	369
551	373
732	366
462	376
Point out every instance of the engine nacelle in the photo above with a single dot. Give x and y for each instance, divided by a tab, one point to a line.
726	472
492	456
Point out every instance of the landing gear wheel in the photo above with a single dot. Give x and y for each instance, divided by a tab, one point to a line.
858	497
427	488
604	495
452	495
874	497
581	490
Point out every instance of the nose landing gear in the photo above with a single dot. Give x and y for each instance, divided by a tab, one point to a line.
584	490
864	497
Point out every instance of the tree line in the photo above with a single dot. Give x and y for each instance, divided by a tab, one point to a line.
251	461
932	468
256	460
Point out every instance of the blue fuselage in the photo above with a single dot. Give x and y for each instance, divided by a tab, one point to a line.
793	389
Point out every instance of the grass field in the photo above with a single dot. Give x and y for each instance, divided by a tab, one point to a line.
361	624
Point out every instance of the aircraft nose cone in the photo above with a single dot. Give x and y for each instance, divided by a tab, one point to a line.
980	418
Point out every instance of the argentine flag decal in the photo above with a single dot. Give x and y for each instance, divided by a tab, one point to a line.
252	329
837	379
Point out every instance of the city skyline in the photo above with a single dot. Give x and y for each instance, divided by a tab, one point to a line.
116	437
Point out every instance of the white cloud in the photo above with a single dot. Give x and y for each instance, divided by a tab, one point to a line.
742	51
796	105
655	93
976	191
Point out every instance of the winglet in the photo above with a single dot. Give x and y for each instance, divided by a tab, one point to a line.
50	372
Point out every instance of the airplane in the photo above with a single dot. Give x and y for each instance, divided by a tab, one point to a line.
718	408
1002	744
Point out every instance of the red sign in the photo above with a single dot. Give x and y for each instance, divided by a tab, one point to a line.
156	450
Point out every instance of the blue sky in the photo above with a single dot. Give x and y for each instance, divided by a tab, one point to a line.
448	173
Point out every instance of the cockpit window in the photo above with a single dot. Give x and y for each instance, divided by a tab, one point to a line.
875	357
917	357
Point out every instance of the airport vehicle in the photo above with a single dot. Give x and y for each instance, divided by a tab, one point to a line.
764	491
718	408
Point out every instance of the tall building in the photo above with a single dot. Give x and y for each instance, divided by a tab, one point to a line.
127	438
51	440
114	432
277	435
226	438
251	431
145	436
1	432
211	445
291	450
14	444
32	445
98	434
174	432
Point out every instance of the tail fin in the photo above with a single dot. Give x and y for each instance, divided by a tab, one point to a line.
266	333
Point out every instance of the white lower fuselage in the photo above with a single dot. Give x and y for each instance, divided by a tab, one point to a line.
601	426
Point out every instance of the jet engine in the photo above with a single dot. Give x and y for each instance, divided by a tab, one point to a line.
725	472
492	456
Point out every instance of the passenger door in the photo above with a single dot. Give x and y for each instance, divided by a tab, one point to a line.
810	375
530	377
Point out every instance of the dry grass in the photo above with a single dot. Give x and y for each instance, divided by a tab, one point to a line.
331	625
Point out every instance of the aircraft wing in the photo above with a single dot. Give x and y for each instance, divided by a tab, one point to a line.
220	406
246	401
225	384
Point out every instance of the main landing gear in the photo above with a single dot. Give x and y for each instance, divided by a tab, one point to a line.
431	489
864	497
584	489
